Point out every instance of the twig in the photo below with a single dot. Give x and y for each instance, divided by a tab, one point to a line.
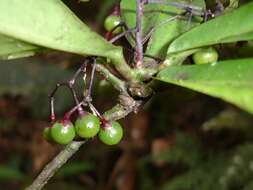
69	84
70	112
189	9
121	35
87	93
54	165
138	34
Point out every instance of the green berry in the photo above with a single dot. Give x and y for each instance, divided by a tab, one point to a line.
207	55
87	126
47	135
112	21
111	134
63	132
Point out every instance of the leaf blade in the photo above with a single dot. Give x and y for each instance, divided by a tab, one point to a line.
49	23
11	48
168	27
214	32
228	80
160	20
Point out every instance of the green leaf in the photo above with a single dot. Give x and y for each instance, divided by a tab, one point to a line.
11	48
158	20
234	26
228	80
128	15
243	37
168	28
7	173
51	24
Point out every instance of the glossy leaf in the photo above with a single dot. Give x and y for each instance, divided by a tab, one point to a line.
159	20
228	80
233	26
51	24
11	48
168	27
128	14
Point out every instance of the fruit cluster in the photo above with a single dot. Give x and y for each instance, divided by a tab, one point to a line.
86	126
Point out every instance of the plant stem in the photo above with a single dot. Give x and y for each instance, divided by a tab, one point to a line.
68	84
115	81
54	165
114	39
118	61
87	92
138	34
176	58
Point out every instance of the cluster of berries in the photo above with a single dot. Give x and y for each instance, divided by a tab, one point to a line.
86	126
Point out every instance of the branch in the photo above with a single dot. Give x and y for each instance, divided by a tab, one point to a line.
126	105
54	165
114	39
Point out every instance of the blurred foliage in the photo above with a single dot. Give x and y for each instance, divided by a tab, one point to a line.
74	168
34	79
7	173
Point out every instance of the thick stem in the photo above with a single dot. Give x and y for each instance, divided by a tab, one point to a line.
115	81
118	61
54	165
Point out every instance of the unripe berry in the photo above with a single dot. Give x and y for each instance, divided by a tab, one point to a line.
111	134
207	55
47	135
111	22
63	132
87	125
